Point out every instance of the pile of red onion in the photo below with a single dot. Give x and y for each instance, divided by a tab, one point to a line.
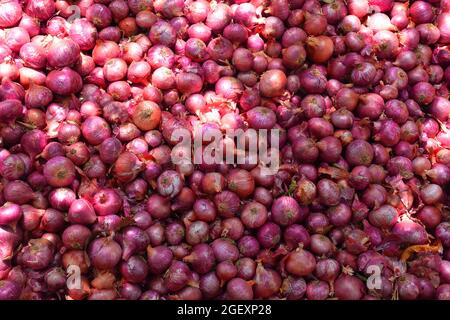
93	207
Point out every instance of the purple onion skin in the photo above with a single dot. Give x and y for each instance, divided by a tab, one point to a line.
10	213
349	288
317	290
90	110
158	259
104	253
37	254
294	288
177	277
133	240
10	290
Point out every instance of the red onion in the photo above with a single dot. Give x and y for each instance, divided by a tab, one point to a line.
10	109
421	12
10	213
11	13
272	83
104	253
317	290
349	288
16	37
357	91
64	81
133	240
319	48
62	52
135	269
13	167
313	80
219	17
228	87
286	211
107	202
177	276
81	211
267	282
38	96
410	232
300	263
443	26
62	198
41	9
33	55
37	254
59	172
76	236
239	289
241	182
429	216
